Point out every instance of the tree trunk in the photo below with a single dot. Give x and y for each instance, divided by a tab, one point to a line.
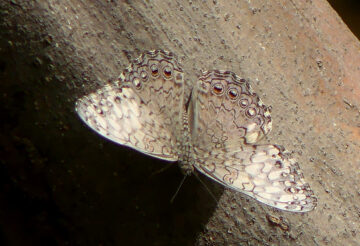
62	184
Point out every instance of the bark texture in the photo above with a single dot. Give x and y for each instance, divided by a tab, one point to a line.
61	184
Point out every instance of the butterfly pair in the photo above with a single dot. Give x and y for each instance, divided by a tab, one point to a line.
212	130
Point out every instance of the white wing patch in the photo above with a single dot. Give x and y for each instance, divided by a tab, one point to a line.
119	115
265	173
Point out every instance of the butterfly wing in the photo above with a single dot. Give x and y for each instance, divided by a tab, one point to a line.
142	109
264	172
226	118
224	113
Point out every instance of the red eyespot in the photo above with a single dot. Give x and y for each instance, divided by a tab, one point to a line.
167	72
233	93
218	88
154	70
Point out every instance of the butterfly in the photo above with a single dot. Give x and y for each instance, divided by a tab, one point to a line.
213	129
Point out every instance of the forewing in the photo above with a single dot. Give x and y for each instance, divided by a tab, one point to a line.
158	79
264	172
224	113
143	108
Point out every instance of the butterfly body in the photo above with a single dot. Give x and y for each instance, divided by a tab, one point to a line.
212	130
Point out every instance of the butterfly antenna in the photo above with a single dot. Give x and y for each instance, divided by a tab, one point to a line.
202	182
161	170
178	189
206	187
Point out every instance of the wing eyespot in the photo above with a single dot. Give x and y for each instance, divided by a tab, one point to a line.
218	88
233	94
154	70
137	83
250	112
244	101
167	71
144	76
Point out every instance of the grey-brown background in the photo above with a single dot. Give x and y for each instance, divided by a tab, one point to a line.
61	184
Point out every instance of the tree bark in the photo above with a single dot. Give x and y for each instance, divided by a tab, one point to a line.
62	184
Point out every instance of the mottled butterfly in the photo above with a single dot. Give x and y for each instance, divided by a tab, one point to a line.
212	129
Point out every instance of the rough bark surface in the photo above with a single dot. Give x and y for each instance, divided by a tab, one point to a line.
62	184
